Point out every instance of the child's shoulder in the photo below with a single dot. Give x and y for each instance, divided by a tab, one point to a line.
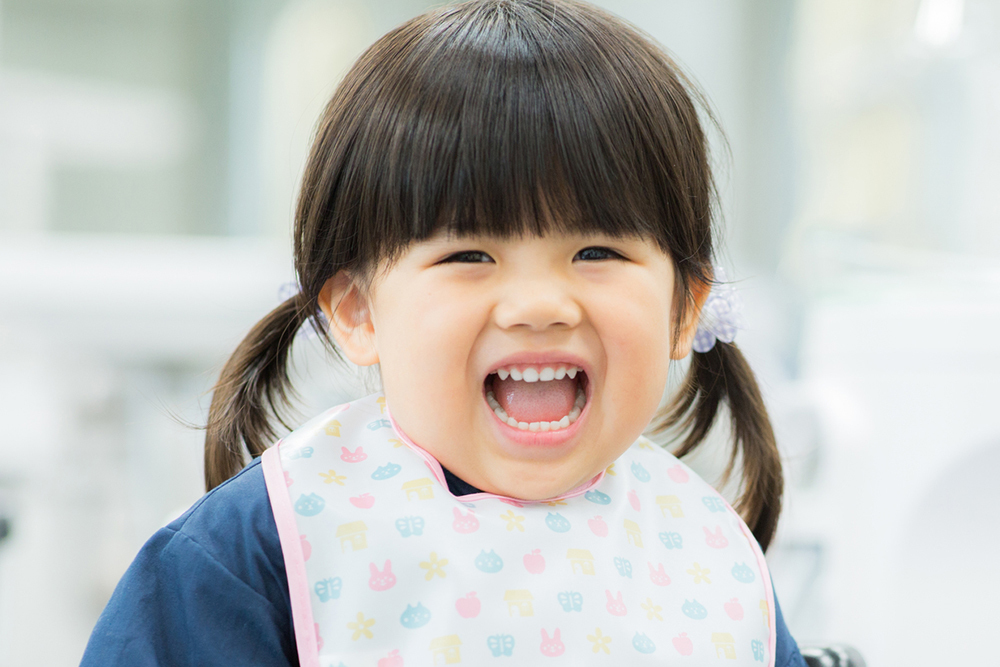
233	519
216	571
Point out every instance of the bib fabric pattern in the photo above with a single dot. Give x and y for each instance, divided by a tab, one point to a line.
647	564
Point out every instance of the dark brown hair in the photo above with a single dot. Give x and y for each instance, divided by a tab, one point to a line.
505	118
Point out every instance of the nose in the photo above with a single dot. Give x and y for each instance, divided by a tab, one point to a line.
537	304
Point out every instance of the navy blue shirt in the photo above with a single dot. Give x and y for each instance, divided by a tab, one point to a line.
210	589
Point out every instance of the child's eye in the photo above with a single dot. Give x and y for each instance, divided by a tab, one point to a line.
597	253
468	257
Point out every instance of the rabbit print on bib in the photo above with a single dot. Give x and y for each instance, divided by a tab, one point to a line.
386	568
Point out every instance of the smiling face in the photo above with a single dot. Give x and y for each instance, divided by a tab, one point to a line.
479	340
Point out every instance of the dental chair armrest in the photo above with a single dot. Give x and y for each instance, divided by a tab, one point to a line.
836	655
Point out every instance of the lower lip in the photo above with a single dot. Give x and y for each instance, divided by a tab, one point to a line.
539	439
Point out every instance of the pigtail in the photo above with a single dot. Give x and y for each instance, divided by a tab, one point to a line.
720	374
252	389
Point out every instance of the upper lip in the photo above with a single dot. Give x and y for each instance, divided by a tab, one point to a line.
549	358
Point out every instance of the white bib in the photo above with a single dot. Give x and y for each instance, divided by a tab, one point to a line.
647	564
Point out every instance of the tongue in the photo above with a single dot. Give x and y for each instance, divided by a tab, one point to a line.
535	401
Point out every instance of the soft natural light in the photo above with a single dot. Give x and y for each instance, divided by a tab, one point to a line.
939	22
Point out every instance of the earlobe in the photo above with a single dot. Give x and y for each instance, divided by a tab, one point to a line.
696	299
349	315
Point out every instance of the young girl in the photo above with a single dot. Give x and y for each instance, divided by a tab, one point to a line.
507	208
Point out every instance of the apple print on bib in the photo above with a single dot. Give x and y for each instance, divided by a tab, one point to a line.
390	569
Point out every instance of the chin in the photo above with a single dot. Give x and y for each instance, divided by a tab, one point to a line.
531	482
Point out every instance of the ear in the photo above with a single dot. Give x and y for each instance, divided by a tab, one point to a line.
685	338
349	315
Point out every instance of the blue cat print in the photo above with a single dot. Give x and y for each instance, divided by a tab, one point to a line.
489	562
742	573
415	617
310	505
557	522
386	471
642	643
694	609
640	472
598	497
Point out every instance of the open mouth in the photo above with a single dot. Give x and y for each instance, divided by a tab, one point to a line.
537	397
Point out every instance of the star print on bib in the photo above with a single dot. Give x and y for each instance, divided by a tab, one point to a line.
386	567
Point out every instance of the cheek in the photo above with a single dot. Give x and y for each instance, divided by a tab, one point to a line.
637	343
443	327
642	355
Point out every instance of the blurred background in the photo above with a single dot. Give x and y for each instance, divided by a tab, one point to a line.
150	152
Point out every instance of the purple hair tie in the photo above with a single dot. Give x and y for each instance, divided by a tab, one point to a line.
308	329
721	316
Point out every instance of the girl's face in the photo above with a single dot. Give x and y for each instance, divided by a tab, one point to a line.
462	326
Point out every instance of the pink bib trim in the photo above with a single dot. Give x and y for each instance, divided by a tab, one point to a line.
290	473
766	576
438	472
295	563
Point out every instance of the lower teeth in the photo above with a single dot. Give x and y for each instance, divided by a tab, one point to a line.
573	415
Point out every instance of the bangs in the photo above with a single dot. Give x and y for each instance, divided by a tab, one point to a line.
510	118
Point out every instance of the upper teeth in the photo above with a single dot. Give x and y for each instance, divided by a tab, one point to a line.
543	374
